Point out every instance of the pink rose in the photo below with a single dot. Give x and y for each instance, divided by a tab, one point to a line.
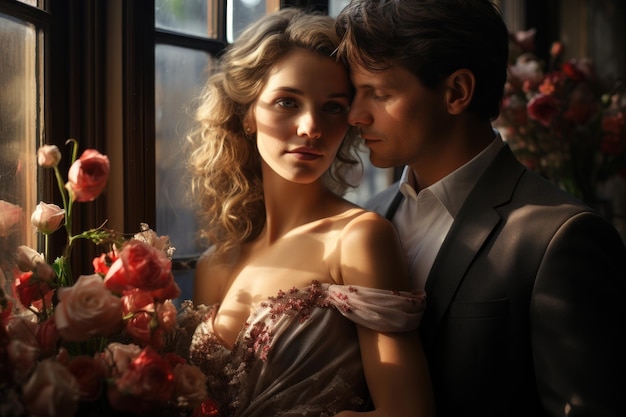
10	216
139	266
22	328
23	357
88	175
166	315
48	156
118	356
89	374
525	39
189	386
148	382
87	309
51	390
47	218
150	237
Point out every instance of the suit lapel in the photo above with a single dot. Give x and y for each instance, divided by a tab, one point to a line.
469	232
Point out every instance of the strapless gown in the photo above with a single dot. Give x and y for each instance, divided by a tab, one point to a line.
298	353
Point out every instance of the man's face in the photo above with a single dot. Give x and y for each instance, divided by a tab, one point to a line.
400	119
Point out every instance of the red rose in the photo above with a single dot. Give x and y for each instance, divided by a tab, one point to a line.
102	263
168	293
33	291
88	176
613	123
572	71
48	336
89	374
147	382
206	409
613	144
139	266
143	329
137	300
580	113
543	108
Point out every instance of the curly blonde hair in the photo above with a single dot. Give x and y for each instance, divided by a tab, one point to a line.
224	163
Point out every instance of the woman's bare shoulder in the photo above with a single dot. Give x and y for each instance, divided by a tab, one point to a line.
371	253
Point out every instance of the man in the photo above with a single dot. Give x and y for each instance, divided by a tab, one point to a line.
526	286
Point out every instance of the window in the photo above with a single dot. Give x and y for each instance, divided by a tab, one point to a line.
22	37
188	35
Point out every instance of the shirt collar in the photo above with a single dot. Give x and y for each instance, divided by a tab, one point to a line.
453	189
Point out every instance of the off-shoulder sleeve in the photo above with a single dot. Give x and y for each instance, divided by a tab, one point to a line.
377	309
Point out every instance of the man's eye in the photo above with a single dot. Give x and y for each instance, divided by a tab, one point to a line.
287	103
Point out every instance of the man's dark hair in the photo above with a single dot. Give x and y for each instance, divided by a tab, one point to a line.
431	39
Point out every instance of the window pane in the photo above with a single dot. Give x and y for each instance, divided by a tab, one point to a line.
335	6
34	3
185	16
240	13
180	74
19	117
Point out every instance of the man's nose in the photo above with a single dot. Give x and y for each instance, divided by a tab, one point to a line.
358	115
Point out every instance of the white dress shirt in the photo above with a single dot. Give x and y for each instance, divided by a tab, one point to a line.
423	219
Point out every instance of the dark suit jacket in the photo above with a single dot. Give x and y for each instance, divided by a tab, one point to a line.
526	302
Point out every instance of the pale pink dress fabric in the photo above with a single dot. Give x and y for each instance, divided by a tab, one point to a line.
298	354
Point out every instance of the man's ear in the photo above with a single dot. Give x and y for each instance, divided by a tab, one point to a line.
459	90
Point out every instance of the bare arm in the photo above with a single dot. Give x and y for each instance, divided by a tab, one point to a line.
207	281
394	364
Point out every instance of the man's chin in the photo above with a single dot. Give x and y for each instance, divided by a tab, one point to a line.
379	162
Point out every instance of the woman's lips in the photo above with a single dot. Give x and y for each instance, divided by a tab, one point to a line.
305	154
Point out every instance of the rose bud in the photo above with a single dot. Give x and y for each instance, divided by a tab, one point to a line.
27	258
48	156
556	49
88	176
47	218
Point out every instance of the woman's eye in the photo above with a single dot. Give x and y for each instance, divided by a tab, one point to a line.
335	108
287	103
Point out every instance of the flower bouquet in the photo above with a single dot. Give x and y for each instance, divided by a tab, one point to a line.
98	344
560	121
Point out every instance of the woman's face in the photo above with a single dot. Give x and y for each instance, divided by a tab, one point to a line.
300	116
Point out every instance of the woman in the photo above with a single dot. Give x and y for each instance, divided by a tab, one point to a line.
304	311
